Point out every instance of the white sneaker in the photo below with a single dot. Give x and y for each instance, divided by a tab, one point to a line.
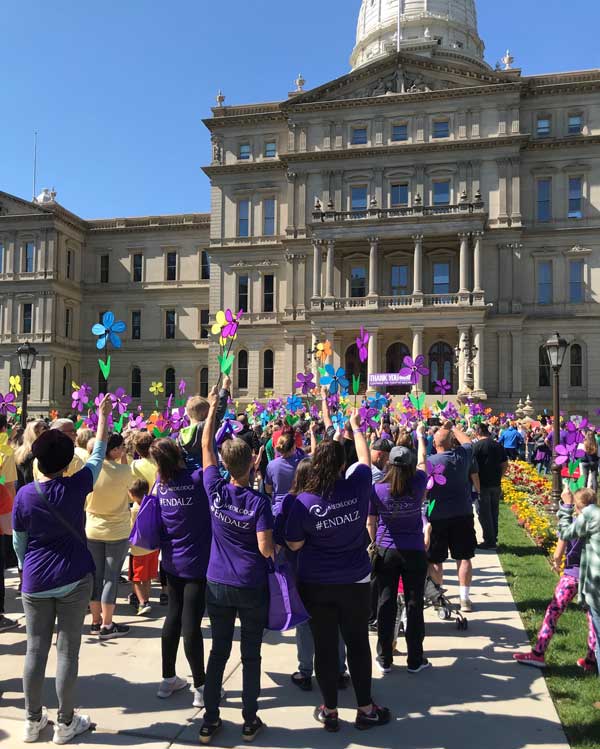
465	605
63	734
199	697
33	728
168	687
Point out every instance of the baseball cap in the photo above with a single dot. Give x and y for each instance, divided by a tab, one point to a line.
403	456
382	445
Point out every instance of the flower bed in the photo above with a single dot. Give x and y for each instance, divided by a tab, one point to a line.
529	497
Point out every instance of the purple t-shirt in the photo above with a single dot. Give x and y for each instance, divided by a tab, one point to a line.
238	514
186	531
55	556
400	523
333	530
280	475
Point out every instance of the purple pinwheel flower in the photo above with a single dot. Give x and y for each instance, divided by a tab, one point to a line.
91	421
568	453
333	401
179	419
443	387
436	475
7	404
138	423
80	398
367	418
414	369
107	330
100	397
305	381
362	343
406	402
121	400
314	412
182	386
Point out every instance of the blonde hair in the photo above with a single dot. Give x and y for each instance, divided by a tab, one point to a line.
197	408
31	433
83	437
585	497
590	445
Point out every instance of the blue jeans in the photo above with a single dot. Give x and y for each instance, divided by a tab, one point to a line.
596	622
223	604
306	650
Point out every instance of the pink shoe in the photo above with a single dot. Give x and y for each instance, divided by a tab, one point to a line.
587	666
530	659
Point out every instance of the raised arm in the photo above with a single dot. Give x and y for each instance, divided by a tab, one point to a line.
94	462
326	415
421	448
360	443
209	457
223	401
462	438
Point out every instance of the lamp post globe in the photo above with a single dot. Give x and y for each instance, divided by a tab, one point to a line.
556	350
26	354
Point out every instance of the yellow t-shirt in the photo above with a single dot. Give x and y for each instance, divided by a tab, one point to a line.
75	465
8	469
107	507
82	454
143	468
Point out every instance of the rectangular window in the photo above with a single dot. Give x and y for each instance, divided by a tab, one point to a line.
400	280
171	266
441	278
270	149
28	258
575	197
399	132
441	129
69	270
545	282
269	217
68	319
575	124
136	325
104	261
268	293
358	282
544	127
358	198
399	195
441	193
544	199
244	218
244	152
576	282
359	136
243	289
204	324
170	324
205	269
27	321
138	260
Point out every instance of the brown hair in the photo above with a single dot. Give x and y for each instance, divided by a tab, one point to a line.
404	440
303	470
197	408
585	497
397	477
139	488
590	445
327	463
286	442
237	456
142	442
83	437
168	457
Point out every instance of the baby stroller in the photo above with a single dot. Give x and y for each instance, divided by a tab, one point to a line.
434	596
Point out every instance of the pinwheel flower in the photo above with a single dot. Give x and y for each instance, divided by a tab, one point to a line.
14	384
121	400
335	380
107	330
229	427
442	387
137	423
324	351
362	343
294	403
80	397
333	401
156	388
181	387
179	419
567	453
338	420
414	369
436	475
7	404
265	418
377	401
226	325
306	382
314	412
367	418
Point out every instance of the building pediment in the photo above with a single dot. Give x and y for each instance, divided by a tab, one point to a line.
10	205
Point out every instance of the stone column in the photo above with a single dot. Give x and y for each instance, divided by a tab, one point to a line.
504	363
515	215
373	360
463	291
300	296
417	349
314	364
463	335
329	294
517	359
290	284
291	202
479	365
502	189
316	269
477	252
418	270
373	266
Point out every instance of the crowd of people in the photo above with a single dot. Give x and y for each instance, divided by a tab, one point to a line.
360	514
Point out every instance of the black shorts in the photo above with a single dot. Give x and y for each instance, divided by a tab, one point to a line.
454	534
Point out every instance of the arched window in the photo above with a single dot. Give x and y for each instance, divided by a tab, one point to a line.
170	382
268	370
543	368
576	366
204	382
355	367
242	360
136	382
394	361
441	365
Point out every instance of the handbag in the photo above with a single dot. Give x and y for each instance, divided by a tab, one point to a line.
146	531
286	610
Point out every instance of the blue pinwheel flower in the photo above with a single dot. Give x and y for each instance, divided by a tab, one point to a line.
378	401
107	330
338	420
294	403
336	381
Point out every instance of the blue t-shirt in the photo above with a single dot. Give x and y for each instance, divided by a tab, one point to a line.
453	499
511	439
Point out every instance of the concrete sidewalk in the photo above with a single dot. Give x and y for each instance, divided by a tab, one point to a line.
475	695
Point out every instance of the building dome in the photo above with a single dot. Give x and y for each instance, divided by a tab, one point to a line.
424	24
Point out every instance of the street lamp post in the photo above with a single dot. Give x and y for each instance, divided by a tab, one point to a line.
469	350
556	350
26	354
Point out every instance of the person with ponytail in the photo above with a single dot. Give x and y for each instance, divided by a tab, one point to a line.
395	524
280	472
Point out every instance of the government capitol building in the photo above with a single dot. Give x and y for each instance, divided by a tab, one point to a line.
442	203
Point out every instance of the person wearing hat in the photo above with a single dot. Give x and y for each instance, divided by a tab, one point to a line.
395	524
49	539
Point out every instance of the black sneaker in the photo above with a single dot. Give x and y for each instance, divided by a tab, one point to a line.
209	731
424	664
115	630
7	624
133	601
378	717
251	730
373	627
330	721
164	599
95	628
302	682
343	681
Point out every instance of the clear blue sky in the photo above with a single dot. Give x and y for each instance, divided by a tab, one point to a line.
117	89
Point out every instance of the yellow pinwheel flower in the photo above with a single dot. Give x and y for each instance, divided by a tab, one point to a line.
156	388
14	384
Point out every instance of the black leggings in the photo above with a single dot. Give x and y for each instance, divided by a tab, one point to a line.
333	608
187	601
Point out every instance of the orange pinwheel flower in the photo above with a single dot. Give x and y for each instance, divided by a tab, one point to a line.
324	351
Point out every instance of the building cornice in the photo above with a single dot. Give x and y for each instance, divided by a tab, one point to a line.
571	141
175	222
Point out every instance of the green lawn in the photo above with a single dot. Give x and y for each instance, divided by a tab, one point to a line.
532	583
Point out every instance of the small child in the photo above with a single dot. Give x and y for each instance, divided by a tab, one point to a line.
143	564
570	547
